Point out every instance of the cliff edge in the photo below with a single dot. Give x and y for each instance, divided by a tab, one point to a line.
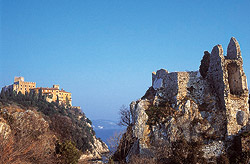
198	116
33	130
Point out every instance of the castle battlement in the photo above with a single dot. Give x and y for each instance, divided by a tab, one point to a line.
26	82
52	94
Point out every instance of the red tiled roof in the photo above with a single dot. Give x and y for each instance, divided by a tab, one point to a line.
49	89
64	91
45	88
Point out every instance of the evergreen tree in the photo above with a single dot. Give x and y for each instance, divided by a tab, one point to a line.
34	96
3	96
7	93
12	94
57	100
45	97
67	101
40	94
19	96
30	95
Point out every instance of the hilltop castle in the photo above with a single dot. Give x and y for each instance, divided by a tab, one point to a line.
52	94
20	85
209	107
220	76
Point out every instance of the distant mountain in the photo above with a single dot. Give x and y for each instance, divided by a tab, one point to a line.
105	129
105	124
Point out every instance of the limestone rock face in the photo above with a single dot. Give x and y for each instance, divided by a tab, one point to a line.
211	108
213	149
25	121
98	147
25	137
140	129
4	130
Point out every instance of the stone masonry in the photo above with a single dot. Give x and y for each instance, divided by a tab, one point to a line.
225	80
209	105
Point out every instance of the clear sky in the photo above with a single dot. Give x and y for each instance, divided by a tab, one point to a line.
104	51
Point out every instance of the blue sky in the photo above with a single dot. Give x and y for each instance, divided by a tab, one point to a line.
103	51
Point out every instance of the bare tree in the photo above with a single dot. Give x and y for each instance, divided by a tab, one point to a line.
28	140
125	116
114	142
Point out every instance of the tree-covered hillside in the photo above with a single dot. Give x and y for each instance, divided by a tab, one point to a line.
65	131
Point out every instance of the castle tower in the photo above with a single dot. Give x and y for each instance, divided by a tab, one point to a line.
16	79
56	86
236	97
215	73
228	80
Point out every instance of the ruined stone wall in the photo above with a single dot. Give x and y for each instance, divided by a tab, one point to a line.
179	85
182	82
215	74
175	84
171	86
236	90
212	108
157	78
225	84
167	81
191	85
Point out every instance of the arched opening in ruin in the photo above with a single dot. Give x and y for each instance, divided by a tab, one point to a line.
234	79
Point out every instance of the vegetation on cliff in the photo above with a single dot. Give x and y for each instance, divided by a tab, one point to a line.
36	129
193	117
162	151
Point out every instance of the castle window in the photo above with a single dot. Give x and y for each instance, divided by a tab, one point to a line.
234	79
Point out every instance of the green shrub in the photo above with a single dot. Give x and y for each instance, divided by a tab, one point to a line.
187	152
77	130
69	153
89	121
156	114
245	134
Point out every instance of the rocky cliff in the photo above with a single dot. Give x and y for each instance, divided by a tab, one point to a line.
189	117
35	131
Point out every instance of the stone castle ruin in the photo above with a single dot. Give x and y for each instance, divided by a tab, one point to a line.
209	107
218	88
